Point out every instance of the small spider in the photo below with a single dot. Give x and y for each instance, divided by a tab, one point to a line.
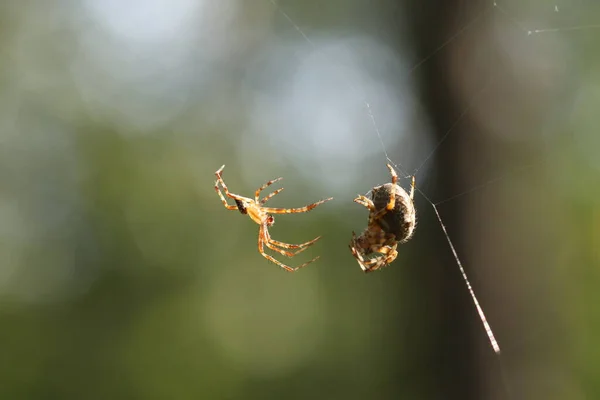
392	221
262	216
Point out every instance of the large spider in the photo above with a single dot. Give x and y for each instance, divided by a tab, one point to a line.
392	221
262	216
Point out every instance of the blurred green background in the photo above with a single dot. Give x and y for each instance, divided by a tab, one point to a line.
123	276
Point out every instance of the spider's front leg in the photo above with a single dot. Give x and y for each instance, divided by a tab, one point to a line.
227	192
227	206
391	204
364	201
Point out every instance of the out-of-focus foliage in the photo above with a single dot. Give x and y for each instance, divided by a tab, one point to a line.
123	276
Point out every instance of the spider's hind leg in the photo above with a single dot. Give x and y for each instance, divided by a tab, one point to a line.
271	245
278	246
264	239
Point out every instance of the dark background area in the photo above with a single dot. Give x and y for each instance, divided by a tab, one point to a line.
123	276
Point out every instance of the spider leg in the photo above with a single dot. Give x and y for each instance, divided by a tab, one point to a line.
279	246
263	187
289	254
387	250
294	210
379	214
392	203
388	255
222	182
394	174
272	244
361	261
223	200
364	201
357	252
227	192
268	197
261	241
294	246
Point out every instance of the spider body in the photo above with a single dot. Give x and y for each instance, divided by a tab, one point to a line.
392	221
263	217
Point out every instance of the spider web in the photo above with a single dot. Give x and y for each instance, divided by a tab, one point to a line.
521	29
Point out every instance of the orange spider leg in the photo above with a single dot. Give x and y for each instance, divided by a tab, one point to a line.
389	255
294	246
301	247
361	261
359	258
392	202
267	198
227	192
364	201
270	243
261	241
378	263
295	210
223	200
263	187
289	254
356	253
388	251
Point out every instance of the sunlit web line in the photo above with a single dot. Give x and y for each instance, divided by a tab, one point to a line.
482	317
521	26
486	325
569	28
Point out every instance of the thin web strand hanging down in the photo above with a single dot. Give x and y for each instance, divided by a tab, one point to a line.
482	317
493	7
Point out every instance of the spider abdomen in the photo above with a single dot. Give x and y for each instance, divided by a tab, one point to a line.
400	221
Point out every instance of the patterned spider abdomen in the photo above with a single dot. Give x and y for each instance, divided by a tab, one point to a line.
400	221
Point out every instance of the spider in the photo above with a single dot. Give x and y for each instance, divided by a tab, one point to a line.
392	221
262	216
